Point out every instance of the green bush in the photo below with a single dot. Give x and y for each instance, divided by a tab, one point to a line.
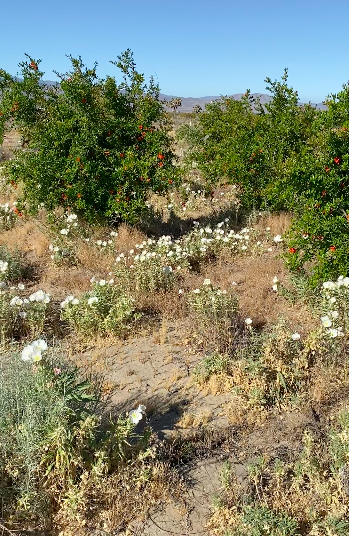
51	438
283	156
105	309
254	146
319	233
94	145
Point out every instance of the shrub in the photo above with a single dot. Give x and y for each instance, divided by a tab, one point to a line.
94	145
105	309
215	316
11	265
21	316
307	494
252	146
51	438
319	233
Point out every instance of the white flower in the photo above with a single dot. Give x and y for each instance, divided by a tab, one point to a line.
99	242
27	353
64	231
326	322
275	288
295	336
277	238
329	285
136	415
196	291
102	282
113	233
267	228
275	279
20	286
248	321
335	314
207	282
40	296
3	266
40	344
270	249
22	314
167	270
33	352
75	301
16	301
335	332
92	300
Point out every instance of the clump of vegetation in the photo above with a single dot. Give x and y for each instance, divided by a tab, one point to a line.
215	316
51	435
306	495
96	146
105	309
283	156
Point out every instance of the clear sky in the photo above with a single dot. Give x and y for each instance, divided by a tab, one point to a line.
192	47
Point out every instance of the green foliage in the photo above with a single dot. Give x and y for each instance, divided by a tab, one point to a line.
105	309
215	316
262	521
51	438
94	145
210	365
251	145
284	156
11	265
320	230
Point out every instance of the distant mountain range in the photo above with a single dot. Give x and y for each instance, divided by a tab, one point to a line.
188	103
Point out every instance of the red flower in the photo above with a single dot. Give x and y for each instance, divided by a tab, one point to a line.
33	66
327	169
161	164
83	100
292	250
324	193
332	248
337	160
109	133
160	156
122	155
13	184
64	196
78	159
140	127
78	195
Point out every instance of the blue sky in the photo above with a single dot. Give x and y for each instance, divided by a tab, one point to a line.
192	48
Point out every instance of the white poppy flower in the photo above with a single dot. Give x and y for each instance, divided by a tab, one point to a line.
136	415
295	336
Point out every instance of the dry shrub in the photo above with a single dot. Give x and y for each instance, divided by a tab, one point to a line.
128	237
116	502
27	237
278	223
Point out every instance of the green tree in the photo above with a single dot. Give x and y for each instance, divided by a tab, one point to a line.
94	145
